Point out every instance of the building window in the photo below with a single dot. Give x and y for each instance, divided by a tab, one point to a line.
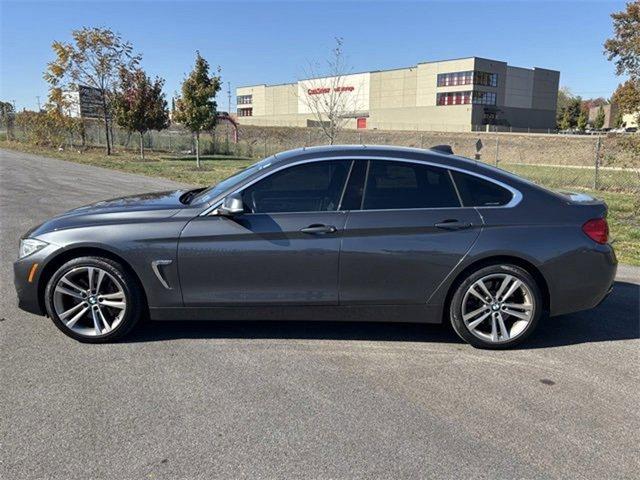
244	99
486	79
455	78
484	98
464	98
453	98
245	112
468	78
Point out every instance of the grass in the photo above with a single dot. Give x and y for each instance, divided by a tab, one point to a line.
621	194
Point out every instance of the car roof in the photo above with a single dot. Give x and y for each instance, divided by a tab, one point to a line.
436	156
439	156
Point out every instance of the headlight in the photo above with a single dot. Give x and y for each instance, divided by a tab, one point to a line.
29	246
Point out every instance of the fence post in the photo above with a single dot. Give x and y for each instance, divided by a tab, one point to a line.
597	163
497	150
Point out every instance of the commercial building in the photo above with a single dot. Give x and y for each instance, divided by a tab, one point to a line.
611	114
452	95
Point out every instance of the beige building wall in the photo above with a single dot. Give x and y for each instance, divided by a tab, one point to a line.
393	88
406	99
630	119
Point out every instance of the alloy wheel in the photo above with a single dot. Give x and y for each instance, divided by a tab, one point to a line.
498	307
89	301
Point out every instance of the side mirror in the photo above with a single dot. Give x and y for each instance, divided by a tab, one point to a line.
231	206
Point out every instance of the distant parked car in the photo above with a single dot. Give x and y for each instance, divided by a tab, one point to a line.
363	233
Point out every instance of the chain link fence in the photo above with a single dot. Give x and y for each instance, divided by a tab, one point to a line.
601	162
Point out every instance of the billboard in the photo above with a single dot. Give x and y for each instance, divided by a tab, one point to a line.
90	102
354	91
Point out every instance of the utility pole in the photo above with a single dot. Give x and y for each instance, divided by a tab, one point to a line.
229	97
38	99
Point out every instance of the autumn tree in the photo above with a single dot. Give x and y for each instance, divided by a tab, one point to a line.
598	122
139	104
627	97
196	107
93	58
327	96
624	50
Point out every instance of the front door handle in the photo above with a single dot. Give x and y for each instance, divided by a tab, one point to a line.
452	224
318	229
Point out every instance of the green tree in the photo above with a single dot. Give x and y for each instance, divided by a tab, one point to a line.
582	121
598	122
139	105
196	106
564	99
618	121
565	121
7	118
94	58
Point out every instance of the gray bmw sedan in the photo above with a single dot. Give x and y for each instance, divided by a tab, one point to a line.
358	233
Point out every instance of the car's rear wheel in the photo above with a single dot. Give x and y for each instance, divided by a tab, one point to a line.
93	299
495	307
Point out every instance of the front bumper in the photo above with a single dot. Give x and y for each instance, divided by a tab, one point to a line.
28	291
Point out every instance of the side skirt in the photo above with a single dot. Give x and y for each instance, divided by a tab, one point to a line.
348	313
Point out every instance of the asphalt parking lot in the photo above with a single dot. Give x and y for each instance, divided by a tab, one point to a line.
312	400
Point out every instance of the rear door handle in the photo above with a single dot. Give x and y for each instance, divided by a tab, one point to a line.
452	224
318	229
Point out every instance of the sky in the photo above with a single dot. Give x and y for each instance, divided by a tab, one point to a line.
273	42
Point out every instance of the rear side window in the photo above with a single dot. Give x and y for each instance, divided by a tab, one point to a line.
402	185
476	192
310	187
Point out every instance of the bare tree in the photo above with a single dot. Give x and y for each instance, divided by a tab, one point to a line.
327	95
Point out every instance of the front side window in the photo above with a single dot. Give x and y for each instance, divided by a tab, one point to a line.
403	185
310	187
476	192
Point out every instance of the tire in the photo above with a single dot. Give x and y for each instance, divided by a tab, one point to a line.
112	313
498	323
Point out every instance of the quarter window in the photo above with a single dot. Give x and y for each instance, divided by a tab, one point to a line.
310	187
476	192
401	185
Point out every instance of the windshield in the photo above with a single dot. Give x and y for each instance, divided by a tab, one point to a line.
213	191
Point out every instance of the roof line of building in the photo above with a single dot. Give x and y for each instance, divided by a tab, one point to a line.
393	69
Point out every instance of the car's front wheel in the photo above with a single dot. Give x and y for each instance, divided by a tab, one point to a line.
495	307
93	299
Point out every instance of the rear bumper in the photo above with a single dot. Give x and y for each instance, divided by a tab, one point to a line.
582	280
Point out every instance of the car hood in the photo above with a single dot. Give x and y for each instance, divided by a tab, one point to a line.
132	208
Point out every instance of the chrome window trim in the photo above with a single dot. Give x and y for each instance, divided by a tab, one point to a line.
515	199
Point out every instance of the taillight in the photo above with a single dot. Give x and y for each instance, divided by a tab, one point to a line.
597	230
